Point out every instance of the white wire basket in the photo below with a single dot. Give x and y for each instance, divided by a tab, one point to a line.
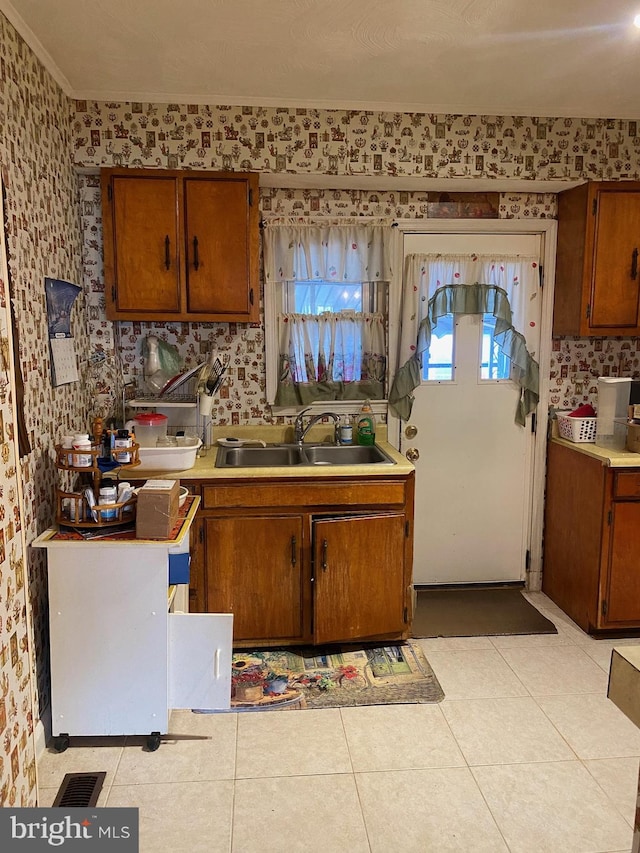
577	429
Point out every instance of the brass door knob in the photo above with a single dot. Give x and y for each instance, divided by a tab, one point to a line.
413	454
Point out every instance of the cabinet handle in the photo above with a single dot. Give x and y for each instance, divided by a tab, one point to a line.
216	664
196	258
634	264
167	256
293	550
325	546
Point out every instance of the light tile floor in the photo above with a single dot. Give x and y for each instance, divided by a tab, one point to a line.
525	754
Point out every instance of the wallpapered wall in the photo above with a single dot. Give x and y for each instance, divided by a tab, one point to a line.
45	136
343	143
43	239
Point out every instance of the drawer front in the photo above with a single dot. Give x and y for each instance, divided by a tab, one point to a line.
627	484
247	495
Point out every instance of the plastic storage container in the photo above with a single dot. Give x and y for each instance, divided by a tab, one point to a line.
149	427
577	429
613	404
170	458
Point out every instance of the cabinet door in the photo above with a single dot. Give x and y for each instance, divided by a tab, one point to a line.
221	229
359	583
141	246
615	282
200	660
254	570
623	594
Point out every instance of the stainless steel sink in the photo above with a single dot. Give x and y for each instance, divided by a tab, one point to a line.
259	457
322	454
286	455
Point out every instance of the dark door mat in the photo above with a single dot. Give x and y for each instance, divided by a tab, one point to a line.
466	612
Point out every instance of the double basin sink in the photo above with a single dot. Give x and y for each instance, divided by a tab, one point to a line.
286	455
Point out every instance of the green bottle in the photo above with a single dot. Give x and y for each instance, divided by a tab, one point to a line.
366	425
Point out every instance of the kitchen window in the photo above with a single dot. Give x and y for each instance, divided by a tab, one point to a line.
326	313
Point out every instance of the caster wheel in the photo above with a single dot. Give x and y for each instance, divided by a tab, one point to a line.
61	742
153	741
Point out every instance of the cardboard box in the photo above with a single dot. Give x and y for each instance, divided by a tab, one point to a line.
157	512
633	438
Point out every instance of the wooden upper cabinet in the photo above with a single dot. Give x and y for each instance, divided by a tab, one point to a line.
598	266
181	245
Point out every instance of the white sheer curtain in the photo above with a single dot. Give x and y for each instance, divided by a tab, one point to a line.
342	253
329	356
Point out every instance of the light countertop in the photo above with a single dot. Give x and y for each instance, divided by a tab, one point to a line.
204	468
611	457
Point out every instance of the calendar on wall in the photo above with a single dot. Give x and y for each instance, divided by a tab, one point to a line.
60	298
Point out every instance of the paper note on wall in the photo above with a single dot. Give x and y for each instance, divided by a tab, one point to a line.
60	298
63	361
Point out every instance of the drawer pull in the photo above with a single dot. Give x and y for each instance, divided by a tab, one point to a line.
634	264
216	664
167	255
325	546
293	550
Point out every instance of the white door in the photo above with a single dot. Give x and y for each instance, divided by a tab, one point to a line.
474	471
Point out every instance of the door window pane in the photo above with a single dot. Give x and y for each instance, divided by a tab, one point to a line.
494	364
437	363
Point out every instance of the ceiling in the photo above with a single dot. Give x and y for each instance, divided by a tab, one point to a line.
496	57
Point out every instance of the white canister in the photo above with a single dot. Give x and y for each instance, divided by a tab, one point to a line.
81	442
108	495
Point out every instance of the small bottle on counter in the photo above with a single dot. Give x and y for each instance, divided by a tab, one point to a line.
67	444
108	495
122	441
346	432
81	442
366	427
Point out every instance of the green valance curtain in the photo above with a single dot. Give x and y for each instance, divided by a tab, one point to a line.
435	285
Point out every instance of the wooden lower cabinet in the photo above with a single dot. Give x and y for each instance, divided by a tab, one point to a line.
254	570
334	568
592	540
358	577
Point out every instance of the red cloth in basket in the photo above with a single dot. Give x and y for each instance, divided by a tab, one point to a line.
586	411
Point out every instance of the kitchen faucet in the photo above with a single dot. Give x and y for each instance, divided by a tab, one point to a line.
300	431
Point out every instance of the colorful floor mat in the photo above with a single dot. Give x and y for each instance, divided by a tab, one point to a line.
332	677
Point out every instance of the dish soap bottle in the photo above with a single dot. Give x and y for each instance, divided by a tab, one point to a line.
366	425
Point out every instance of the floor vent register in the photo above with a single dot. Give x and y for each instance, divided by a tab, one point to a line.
79	790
